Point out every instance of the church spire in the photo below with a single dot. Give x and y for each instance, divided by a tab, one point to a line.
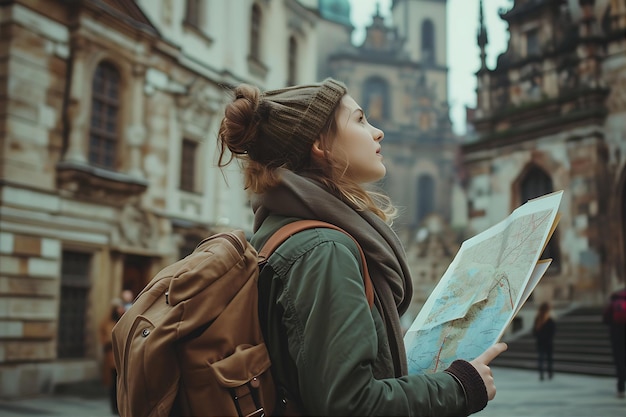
482	38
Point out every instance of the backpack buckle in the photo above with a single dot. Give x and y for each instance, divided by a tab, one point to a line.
258	413
246	397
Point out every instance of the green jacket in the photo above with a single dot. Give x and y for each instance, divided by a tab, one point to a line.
330	347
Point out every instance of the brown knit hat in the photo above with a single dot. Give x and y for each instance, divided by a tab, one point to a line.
291	119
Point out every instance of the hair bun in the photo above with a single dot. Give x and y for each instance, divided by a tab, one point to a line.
239	126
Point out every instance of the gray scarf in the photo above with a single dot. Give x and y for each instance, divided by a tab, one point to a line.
301	197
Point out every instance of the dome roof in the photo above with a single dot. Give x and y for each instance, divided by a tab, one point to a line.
336	10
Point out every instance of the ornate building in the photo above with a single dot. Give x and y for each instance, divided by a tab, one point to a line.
399	75
110	110
108	152
552	116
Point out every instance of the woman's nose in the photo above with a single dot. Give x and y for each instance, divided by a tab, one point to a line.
378	134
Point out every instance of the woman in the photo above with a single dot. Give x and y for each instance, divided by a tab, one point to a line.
614	315
308	152
544	329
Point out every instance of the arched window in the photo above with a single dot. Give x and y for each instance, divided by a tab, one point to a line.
293	62
428	41
376	99
255	32
425	197
536	183
105	108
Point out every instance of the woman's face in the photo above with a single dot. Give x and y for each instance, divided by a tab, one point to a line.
357	143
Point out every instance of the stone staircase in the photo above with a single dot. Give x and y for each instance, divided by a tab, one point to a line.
581	346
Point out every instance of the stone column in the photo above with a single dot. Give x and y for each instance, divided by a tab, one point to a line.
78	106
136	131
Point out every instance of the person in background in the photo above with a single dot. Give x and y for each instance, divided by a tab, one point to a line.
544	329
614	316
127	298
309	153
109	374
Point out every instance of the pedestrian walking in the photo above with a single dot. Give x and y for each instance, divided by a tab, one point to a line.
544	329
308	152
109	373
614	316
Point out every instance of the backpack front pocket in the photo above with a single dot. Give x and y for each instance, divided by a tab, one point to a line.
239	384
147	379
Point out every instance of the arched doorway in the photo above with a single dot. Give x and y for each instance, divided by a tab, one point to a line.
136	273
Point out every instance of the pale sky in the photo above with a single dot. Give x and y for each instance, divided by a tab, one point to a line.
463	53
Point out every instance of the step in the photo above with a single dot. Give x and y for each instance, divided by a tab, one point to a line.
561	357
560	345
574	368
581	345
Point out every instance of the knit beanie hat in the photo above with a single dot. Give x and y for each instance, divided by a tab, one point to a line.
291	119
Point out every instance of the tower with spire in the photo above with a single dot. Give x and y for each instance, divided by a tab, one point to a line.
482	39
398	73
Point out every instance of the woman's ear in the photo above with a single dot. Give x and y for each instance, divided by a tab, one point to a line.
316	150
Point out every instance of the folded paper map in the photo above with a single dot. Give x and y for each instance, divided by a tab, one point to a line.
484	287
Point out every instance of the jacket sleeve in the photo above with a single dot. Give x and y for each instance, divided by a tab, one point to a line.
333	340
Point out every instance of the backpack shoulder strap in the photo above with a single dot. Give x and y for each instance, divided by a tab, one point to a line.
292	228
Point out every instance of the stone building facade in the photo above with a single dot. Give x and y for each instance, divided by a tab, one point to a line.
552	116
399	76
108	117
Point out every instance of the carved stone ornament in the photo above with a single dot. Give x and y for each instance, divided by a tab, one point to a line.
137	227
617	98
198	105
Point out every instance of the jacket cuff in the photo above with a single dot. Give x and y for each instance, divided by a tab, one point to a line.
472	384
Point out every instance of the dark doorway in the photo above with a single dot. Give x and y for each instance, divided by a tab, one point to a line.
136	273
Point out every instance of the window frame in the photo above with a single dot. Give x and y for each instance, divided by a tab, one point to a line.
188	171
377	86
103	145
256	23
194	10
426	189
292	61
73	332
427	44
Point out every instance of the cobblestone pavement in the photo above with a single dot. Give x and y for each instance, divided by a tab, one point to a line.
520	394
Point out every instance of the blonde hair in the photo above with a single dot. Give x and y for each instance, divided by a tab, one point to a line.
239	132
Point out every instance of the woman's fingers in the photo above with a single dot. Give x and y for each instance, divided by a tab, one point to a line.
492	352
481	364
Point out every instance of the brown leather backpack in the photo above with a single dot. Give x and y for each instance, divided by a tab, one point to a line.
192	345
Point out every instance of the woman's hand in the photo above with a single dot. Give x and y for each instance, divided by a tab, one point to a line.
481	364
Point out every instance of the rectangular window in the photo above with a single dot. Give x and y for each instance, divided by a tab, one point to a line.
188	165
75	286
193	13
532	42
293	62
255	33
105	109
